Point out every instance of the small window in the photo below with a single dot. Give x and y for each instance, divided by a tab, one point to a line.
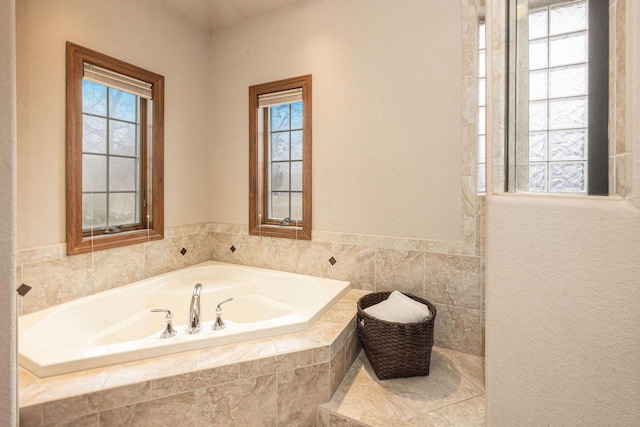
114	152
561	104
280	158
482	106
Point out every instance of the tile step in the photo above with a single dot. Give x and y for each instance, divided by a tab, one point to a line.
451	395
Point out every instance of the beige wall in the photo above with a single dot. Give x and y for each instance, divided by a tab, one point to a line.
8	363
139	32
562	299
386	112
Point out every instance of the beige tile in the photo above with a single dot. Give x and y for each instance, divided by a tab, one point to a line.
121	396
199	248
284	255
68	409
468	413
57	281
193	380
355	264
41	253
221	247
250	402
313	258
468	365
459	329
162	256
178	410
117	267
453	280
353	348
91	420
400	270
300	391
359	399
338	368
365	399
337	421
276	363
31	416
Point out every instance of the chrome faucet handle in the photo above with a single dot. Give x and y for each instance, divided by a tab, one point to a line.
168	330
285	221
219	324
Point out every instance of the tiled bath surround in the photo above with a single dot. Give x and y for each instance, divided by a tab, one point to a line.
276	381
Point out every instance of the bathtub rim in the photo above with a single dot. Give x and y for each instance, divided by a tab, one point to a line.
41	368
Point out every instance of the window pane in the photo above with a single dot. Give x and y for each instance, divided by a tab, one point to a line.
122	138
280	117
296	115
296	206
481	149
568	113
568	145
280	146
537	177
122	174
296	176
482	180
482	93
296	145
568	81
280	176
94	98
122	209
538	115
538	146
568	50
279	205
538	54
568	18
538	85
94	173
122	105
94	211
482	120
482	64
482	34
538	24
94	134
567	177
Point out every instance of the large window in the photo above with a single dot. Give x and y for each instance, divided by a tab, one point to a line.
114	152
561	114
280	158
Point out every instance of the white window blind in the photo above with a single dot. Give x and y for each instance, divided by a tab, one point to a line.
283	97
118	81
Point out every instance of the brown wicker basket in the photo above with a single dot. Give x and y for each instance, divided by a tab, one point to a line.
395	350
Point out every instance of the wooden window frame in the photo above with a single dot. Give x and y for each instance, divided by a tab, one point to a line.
79	241
259	225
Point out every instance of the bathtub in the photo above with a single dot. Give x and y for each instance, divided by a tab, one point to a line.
118	326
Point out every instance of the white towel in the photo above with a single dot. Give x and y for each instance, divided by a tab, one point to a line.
399	308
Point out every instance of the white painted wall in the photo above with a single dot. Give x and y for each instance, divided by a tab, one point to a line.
8	323
142	32
563	300
386	111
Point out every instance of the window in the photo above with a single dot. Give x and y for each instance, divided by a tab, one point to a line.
561	105
482	102
114	152
280	158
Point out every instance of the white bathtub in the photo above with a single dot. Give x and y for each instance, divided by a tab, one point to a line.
118	326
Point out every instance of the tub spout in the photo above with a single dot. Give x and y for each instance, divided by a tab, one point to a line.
194	311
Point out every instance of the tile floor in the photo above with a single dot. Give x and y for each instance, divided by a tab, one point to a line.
452	395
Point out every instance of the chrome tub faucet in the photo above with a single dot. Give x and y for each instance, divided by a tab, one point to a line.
194	311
